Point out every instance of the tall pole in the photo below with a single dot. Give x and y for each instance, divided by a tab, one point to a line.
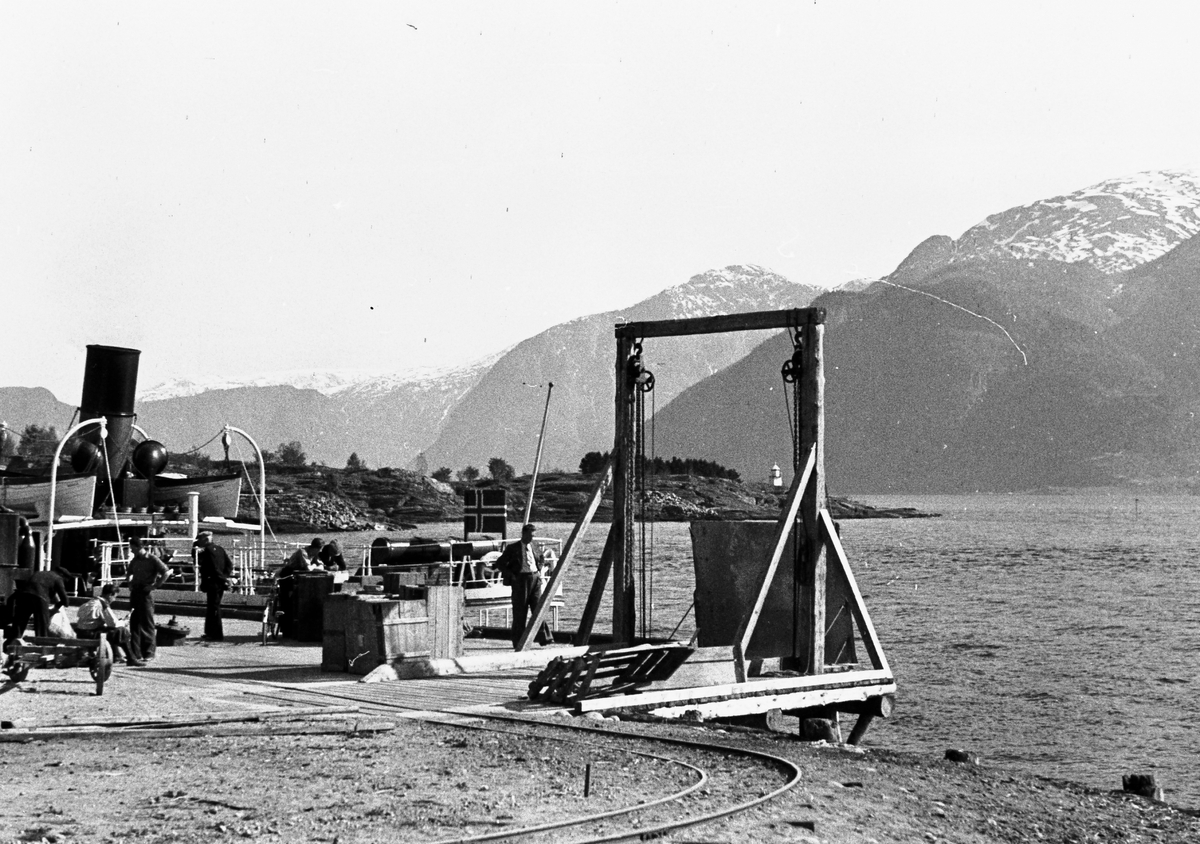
811	577
623	609
537	461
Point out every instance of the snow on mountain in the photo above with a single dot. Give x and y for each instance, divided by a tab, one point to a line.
1114	225
326	382
720	291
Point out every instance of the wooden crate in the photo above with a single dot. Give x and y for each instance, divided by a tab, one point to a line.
365	631
395	582
446	621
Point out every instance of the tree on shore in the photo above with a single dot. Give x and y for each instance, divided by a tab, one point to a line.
354	463
291	454
443	474
468	474
593	462
38	443
500	470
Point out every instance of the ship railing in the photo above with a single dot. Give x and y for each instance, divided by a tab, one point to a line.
475	573
254	564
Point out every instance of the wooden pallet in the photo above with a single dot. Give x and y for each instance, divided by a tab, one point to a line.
570	679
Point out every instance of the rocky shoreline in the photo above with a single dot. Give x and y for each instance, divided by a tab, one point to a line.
324	499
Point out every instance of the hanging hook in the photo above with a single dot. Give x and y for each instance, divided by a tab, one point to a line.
639	377
794	366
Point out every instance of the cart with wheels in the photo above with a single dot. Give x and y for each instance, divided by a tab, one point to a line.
20	655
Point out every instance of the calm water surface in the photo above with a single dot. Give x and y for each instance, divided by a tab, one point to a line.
1056	634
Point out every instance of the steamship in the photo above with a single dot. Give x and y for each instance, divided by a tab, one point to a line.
118	488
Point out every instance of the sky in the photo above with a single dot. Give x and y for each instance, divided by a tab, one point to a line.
240	189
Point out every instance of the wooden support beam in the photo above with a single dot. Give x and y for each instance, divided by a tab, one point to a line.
756	321
784	527
860	727
624	453
811	578
858	607
603	570
560	570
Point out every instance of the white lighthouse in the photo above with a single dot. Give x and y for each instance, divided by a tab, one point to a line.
776	476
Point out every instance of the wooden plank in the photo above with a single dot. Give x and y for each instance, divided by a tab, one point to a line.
755	321
599	582
282	714
568	555
783	528
811	699
859	606
363	725
771	685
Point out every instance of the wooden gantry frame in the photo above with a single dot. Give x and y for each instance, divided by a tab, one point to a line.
865	691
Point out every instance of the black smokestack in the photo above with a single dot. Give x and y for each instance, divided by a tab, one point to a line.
109	388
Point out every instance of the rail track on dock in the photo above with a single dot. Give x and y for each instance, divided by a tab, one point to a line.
725	780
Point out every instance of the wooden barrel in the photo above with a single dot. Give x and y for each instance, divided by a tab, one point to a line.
308	599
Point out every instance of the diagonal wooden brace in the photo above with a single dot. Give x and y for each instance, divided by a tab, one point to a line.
568	554
791	507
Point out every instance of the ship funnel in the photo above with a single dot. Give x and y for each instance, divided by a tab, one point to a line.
109	387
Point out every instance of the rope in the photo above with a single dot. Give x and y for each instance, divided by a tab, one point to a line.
654	456
640	458
686	613
643	382
197	448
793	372
112	498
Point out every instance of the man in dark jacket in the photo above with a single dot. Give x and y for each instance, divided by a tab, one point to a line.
216	572
146	572
522	564
36	596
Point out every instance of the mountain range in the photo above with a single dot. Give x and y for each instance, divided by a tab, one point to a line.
1027	354
1054	344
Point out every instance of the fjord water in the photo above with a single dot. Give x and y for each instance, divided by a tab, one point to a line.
1056	634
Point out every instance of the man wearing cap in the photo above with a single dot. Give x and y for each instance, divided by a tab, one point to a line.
146	573
523	563
216	572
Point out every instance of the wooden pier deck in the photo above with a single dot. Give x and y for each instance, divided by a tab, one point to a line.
243	674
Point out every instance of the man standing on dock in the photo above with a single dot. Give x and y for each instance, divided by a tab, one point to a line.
523	562
146	573
216	571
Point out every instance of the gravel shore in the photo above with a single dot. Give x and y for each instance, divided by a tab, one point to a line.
401	779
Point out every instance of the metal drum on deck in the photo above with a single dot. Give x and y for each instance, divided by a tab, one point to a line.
304	615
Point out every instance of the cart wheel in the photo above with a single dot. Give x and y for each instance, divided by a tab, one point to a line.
102	664
13	667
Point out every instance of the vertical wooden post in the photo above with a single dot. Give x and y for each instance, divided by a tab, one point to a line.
811	623
622	523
